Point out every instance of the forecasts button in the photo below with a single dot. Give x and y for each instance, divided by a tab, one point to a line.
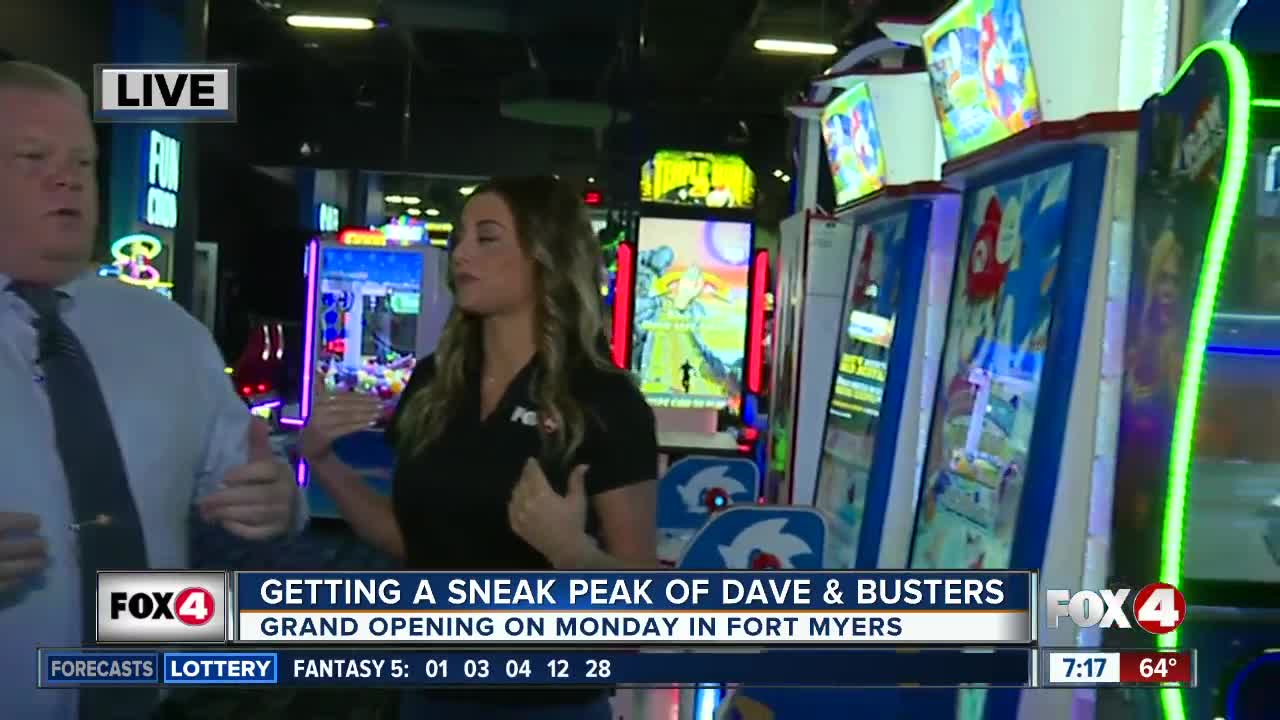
72	668
220	668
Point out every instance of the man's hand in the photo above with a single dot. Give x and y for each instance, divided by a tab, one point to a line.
257	501
23	553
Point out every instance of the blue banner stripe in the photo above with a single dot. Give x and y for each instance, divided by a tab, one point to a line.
657	591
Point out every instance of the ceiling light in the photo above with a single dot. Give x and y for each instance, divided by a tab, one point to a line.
591	180
393	199
410	199
785	178
329	22
432	212
795	47
777	173
466	190
414	212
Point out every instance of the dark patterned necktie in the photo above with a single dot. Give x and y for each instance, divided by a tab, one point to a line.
106	524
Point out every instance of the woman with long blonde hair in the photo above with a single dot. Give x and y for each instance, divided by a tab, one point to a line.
519	444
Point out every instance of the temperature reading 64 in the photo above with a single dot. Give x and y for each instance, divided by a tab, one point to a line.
1157	667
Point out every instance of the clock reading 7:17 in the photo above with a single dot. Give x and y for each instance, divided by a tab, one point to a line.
1087	668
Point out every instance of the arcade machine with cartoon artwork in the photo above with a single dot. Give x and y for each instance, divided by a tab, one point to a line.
693	340
890	310
375	305
1197	496
1028	371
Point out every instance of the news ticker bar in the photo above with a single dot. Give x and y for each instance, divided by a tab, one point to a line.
772	667
669	608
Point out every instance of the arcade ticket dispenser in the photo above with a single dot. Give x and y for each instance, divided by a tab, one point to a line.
375	306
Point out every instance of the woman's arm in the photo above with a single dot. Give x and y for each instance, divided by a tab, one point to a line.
628	529
367	512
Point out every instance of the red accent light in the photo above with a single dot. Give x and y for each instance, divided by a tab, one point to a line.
262	387
750	434
362	237
622	284
592	198
755	347
246	391
766	561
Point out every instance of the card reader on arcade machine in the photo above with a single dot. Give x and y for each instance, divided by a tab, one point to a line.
375	305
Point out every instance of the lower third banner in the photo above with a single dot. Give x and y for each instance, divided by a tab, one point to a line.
780	667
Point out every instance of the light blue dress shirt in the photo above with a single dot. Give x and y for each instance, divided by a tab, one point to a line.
180	426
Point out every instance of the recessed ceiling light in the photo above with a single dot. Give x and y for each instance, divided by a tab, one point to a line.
785	178
777	173
591	180
393	199
413	211
432	212
329	22
410	199
795	47
466	190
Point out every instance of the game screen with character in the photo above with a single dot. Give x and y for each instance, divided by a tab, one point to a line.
690	312
998	329
368	320
858	388
699	179
852	140
984	87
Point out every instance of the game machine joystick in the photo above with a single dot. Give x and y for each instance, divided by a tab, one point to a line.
375	305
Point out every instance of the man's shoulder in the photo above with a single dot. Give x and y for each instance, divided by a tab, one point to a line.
103	295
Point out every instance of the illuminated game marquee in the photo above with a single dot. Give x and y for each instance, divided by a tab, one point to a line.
698	179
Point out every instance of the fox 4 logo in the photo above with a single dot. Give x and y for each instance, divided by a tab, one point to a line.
161	607
1158	608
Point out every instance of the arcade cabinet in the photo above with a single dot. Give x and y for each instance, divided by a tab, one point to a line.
696	302
375	305
1197	492
889	304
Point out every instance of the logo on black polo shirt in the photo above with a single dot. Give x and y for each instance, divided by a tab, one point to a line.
529	418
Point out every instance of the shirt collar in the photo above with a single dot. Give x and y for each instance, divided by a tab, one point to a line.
68	289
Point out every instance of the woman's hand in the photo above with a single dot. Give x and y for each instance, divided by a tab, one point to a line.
336	415
553	524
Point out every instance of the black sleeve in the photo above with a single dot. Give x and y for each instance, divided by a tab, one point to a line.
623	437
423	372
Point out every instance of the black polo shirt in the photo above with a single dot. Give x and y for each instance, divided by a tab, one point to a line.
450	500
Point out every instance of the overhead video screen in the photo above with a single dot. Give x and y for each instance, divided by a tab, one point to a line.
698	179
852	140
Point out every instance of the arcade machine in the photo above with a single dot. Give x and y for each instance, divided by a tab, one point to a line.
895	273
258	374
1199	404
374	306
695	310
696	294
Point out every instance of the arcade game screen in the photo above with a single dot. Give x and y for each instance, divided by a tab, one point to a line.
984	87
858	388
690	318
997	333
852	140
712	180
368	320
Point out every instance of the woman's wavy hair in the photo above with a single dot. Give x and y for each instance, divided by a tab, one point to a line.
555	231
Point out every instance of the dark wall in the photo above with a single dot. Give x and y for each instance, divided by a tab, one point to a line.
67	35
253	218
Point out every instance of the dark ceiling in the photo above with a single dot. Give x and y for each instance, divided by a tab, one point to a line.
475	87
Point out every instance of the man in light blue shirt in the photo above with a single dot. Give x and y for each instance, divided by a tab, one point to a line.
183	434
